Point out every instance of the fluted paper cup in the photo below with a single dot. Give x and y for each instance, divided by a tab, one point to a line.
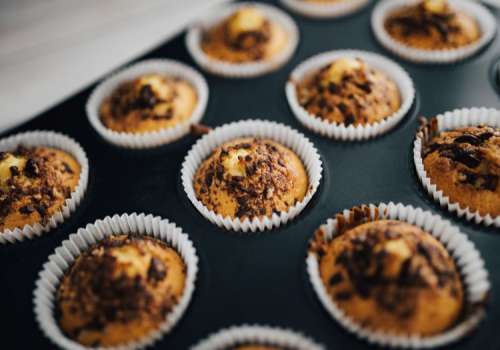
44	295
255	334
241	70
339	130
280	133
448	121
467	258
486	21
63	143
153	138
325	9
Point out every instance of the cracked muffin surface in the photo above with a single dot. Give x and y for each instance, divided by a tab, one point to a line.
120	290
350	92
432	25
247	35
465	165
391	276
151	102
251	177
34	184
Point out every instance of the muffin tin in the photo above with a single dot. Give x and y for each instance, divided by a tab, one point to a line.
258	278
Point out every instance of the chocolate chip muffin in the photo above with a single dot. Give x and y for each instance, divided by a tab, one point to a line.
148	103
246	36
432	25
391	276
350	92
34	185
465	165
251	177
120	290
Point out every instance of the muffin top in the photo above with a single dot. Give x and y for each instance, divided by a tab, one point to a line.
350	92
465	165
148	103
120	290
251	177
432	25
247	35
391	276
34	184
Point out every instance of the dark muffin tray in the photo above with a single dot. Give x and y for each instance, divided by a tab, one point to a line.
261	277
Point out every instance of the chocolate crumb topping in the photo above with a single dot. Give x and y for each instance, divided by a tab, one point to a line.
472	148
37	182
157	270
417	20
255	174
104	287
388	262
360	95
141	97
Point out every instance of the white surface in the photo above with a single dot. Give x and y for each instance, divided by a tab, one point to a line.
50	49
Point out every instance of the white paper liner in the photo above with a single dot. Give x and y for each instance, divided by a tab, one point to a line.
340	130
447	121
325	10
61	142
252	128
242	70
154	138
467	259
495	3
261	335
44	295
485	19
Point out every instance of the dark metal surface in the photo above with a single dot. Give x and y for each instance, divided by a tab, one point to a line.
257	278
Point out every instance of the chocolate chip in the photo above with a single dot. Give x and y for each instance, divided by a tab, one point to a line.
333	88
335	279
349	119
26	210
467	157
14	170
67	168
147	97
157	270
343	296
473	140
31	169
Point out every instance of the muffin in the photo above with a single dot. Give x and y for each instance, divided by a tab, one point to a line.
149	103
250	177
465	165
391	276
120	290
34	185
350	92
247	35
432	25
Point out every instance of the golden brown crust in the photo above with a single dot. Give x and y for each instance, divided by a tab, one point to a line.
348	91
256	39
34	184
148	103
391	276
120	290
465	165
250	177
421	28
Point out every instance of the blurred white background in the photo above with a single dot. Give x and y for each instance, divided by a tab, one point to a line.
50	49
